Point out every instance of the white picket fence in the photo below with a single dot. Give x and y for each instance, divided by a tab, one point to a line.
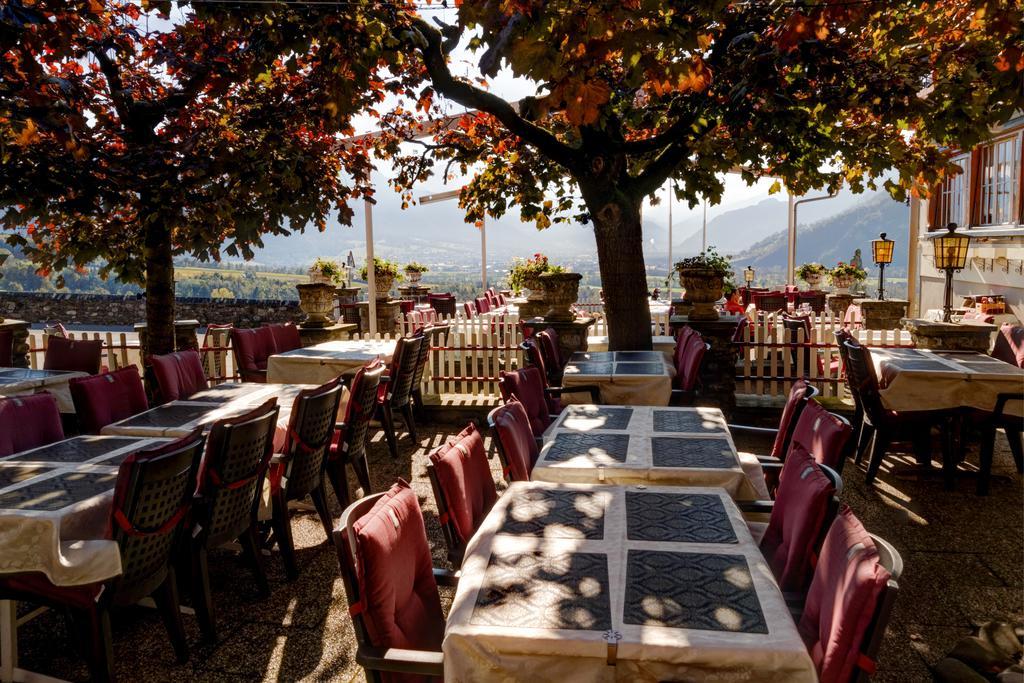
120	349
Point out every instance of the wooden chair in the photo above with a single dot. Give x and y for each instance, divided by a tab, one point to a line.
150	504
861	440
28	422
542	403
535	358
77	355
227	500
298	471
348	447
517	449
395	393
1012	425
401	635
769	302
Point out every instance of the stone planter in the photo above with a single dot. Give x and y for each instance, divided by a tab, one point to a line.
813	280
561	290
414	276
536	289
318	278
316	299
703	289
882	315
383	285
841	284
928	334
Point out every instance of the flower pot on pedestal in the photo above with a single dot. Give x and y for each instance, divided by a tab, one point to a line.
561	290
316	299
841	284
704	288
813	280
383	285
413	275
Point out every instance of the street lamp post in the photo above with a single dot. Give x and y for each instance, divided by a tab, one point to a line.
881	250
950	256
748	276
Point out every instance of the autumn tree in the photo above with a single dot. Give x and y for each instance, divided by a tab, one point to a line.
630	94
133	133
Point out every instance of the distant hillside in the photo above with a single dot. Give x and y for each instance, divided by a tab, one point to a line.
835	239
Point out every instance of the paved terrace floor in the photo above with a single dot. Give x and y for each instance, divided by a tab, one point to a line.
963	558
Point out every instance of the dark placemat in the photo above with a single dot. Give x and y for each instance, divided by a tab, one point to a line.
670	451
557	513
569	446
640	356
78	449
686	421
30	373
922	364
170	415
703	591
640	369
677	517
530	590
592	357
589	368
610	418
225	393
14	473
7	381
58	492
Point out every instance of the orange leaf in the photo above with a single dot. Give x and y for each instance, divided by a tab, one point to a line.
28	134
584	102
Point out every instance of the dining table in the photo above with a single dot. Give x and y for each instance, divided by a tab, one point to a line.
622	444
665	343
323	362
623	377
18	381
582	582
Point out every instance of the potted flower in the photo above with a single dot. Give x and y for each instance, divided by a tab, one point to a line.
414	271
525	273
561	291
385	274
703	277
326	271
812	273
844	275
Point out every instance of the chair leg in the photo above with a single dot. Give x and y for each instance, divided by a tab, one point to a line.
362	470
879	445
988	443
339	481
166	598
388	422
282	524
319	496
867	432
921	441
410	422
202	596
1013	435
250	543
950	453
93	626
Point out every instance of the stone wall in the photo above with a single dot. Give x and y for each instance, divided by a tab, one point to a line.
105	310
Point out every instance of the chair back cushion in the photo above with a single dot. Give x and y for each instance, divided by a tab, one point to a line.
178	375
527	386
688	362
515	440
28	422
102	399
794	405
535	357
350	441
465	478
842	600
400	602
482	304
1009	346
286	337
821	434
795	526
252	347
78	355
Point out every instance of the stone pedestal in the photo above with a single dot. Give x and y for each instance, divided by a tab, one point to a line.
572	334
415	292
965	336
388	314
882	315
532	309
718	369
184	336
838	303
311	336
348	297
20	348
681	307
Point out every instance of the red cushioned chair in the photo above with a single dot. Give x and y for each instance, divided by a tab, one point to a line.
178	375
395	392
482	304
348	446
1009	346
843	337
298	471
6	348
286	337
470	309
227	500
688	356
77	355
824	435
463	489
517	449
799	394
850	601
853	319
527	386
102	399
554	363
804	506
252	348
391	587
28	422
533	355
147	514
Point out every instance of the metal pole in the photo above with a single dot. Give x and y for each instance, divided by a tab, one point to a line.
913	251
483	253
668	279
704	229
881	282
371	276
791	259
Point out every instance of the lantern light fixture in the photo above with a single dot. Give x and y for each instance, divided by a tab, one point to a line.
950	256
881	252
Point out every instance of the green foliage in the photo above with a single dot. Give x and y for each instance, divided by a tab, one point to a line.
329	269
808	269
382	268
415	267
524	270
707	260
844	269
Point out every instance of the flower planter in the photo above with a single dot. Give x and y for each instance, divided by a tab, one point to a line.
382	282
813	280
561	291
703	289
316	299
841	283
536	289
414	276
316	277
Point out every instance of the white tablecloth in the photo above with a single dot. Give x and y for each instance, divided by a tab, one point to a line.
644	444
323	362
918	379
664	343
19	381
670	576
622	379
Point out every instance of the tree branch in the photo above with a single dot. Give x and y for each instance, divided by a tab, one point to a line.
471	96
651	178
660	140
122	105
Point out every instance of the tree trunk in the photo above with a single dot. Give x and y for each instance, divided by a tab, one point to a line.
159	287
620	255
